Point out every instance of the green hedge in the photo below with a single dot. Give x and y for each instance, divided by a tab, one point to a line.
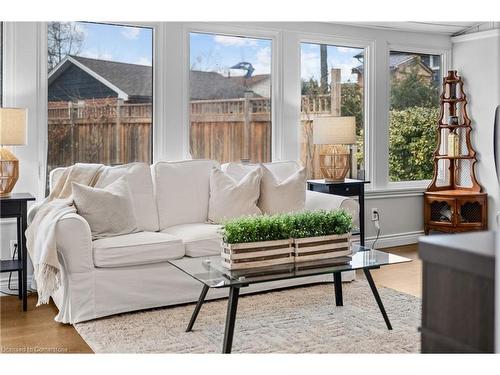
412	141
283	226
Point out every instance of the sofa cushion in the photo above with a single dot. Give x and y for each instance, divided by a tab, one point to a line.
182	190
200	239
141	189
136	248
230	198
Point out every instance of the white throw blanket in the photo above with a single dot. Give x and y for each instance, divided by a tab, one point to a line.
40	235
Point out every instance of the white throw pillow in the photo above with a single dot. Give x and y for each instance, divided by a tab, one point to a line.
280	169
109	210
230	199
281	196
238	170
140	184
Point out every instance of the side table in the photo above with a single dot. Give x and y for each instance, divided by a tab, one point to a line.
15	206
347	188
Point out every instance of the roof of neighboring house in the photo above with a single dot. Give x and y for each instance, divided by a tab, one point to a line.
132	80
249	82
395	61
129	80
212	85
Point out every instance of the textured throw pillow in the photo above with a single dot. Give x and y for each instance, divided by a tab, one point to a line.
281	196
230	199
109	210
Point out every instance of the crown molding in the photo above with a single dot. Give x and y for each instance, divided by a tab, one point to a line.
475	36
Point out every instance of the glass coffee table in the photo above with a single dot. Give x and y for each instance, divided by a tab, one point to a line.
211	274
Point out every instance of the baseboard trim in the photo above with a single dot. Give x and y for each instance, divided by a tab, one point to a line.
4	282
397	239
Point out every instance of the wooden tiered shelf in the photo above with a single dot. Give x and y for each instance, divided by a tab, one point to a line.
454	200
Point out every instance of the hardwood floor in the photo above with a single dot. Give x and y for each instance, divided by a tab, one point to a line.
36	331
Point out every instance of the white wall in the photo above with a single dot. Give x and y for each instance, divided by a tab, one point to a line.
21	80
400	205
477	59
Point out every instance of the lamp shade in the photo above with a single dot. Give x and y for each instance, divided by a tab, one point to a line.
13	126
339	130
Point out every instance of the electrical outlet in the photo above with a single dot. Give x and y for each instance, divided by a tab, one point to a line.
375	214
13	245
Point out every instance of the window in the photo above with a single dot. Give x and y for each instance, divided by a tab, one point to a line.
100	93
332	85
230	98
414	109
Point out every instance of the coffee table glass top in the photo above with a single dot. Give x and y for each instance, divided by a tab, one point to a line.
209	270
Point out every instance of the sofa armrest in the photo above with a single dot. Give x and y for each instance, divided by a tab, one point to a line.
74	243
323	201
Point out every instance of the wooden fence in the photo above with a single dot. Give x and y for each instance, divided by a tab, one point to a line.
105	134
225	130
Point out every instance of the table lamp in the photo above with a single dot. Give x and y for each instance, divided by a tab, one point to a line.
12	133
337	132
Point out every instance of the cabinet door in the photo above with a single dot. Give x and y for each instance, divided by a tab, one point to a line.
440	211
471	212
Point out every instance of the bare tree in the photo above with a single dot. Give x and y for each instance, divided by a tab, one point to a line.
64	38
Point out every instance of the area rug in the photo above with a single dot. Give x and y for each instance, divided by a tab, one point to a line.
298	320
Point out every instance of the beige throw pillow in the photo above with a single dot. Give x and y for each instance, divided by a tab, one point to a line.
230	199
109	210
281	196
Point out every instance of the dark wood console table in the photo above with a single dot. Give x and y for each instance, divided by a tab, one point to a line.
15	206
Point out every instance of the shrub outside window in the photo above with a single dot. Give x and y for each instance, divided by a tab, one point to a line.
414	108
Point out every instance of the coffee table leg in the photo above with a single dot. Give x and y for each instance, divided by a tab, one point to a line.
232	306
369	277
197	308
337	284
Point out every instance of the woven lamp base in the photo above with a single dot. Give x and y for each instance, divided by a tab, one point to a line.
334	163
9	172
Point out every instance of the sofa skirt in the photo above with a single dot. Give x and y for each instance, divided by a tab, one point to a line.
109	291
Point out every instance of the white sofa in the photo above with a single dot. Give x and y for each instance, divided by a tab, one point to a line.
131	272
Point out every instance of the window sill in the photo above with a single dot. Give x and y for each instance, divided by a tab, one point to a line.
395	192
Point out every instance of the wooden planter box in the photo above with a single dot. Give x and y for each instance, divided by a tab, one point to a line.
322	247
257	254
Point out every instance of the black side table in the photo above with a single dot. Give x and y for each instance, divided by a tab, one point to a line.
347	188
15	206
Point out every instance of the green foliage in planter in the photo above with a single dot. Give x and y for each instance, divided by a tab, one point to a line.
284	226
318	223
255	229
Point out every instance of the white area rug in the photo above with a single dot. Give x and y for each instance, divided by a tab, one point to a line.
300	320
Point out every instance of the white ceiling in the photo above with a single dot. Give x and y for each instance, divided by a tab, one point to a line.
446	28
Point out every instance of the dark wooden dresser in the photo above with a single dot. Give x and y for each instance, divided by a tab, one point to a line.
458	295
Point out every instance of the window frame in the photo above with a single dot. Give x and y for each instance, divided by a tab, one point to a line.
368	94
157	114
277	123
445	66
